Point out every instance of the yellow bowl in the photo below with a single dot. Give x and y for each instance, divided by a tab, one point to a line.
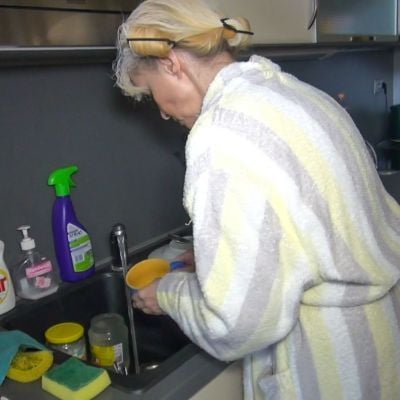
146	272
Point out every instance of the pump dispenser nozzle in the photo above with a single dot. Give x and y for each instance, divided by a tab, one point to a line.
27	243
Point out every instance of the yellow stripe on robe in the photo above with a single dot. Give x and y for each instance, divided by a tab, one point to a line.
302	146
377	319
323	353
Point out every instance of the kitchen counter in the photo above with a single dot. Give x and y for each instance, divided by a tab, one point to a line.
181	384
182	375
185	371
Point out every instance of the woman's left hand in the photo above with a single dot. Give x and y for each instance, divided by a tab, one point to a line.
146	299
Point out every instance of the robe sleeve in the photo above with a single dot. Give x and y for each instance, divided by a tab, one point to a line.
250	274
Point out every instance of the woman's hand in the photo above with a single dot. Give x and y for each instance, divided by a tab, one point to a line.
146	299
188	259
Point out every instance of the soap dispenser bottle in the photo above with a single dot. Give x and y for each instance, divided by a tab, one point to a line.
7	294
35	276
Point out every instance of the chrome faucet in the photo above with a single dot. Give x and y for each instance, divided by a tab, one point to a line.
119	246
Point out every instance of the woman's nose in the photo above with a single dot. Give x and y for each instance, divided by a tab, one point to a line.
164	115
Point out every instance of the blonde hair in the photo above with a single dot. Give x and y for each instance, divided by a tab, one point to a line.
187	24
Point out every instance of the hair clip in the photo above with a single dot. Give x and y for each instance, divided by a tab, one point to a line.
232	28
172	43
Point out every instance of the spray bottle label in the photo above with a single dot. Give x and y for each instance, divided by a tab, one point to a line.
4	285
80	248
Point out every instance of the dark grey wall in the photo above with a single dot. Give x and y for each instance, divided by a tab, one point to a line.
353	74
130	160
129	170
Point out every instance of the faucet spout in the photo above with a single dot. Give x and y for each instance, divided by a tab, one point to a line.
118	234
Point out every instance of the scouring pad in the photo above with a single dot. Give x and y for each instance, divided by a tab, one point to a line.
74	380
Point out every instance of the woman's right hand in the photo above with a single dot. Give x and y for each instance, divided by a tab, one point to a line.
188	259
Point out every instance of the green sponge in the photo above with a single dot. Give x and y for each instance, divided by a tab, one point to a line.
74	380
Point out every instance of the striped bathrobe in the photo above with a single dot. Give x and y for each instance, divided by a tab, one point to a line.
297	243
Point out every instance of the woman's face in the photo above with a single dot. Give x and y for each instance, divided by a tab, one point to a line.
174	94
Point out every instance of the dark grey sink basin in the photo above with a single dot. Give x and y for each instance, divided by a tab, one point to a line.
159	339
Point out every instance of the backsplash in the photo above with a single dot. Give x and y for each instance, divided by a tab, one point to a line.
351	76
129	159
131	162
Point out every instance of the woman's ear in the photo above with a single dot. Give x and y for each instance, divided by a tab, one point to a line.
171	64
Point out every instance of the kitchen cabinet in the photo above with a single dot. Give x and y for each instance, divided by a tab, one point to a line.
310	21
52	23
227	385
274	21
356	20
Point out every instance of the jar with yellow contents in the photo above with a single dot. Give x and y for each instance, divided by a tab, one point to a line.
67	337
109	345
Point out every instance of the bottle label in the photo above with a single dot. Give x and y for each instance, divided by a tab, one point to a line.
4	285
106	356
80	248
39	269
42	282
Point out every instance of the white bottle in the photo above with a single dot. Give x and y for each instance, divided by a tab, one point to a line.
7	295
35	276
172	250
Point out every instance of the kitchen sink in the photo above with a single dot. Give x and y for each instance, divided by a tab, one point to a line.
161	344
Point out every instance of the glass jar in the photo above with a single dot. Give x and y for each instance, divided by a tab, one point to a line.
68	338
109	344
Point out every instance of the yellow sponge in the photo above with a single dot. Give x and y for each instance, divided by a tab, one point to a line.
74	380
27	366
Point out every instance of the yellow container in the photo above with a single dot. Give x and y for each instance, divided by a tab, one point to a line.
68	338
146	272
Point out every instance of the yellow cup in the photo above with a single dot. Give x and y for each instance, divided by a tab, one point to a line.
145	272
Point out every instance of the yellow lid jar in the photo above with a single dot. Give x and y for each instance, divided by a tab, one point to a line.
67	337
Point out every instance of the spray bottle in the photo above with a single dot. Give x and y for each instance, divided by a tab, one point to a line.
71	240
7	294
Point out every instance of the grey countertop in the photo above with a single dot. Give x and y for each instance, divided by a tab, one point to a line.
188	371
181	384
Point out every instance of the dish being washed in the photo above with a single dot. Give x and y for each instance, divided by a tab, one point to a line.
146	272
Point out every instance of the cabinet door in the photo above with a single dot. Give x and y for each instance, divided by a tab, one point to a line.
273	21
227	385
357	19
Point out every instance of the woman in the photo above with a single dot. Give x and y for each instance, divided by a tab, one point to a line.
296	242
